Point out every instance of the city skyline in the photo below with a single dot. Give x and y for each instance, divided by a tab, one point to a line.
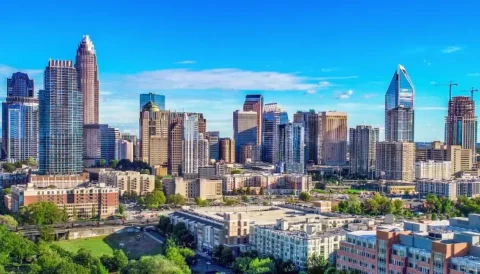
315	74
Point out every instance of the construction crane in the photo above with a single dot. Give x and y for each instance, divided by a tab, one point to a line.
450	85
471	92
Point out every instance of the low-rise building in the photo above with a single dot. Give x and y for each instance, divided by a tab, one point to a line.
401	189
128	181
271	183
60	181
323	206
449	188
440	170
209	189
79	202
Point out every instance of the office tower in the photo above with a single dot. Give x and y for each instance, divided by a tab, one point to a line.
250	153
154	135
175	139
245	125
134	140
273	116
461	124
195	146
333	137
255	103
87	76
461	159
124	150
395	161
399	111
158	99
363	140
292	143
99	142
60	120
312	125
227	150
20	120
213	138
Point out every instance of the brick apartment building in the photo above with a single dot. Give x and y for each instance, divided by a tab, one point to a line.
79	202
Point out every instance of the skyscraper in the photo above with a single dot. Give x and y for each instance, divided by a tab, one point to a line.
99	142
292	144
60	120
363	140
313	128
134	140
333	137
87	70
158	99
245	132
213	138
255	103
195	146
461	124
124	150
395	161
20	120
273	116
399	111
227	150
154	134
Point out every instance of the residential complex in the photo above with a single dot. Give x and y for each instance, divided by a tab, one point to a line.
451	189
195	146
271	183
20	120
130	182
209	189
60	120
292	147
333	137
79	202
460	158
363	140
395	161
433	170
125	150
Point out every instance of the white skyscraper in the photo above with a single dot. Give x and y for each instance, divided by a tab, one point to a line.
194	146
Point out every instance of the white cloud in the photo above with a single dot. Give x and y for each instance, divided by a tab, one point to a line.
310	91
433	83
7	71
328	69
338	77
369	95
476	74
211	79
344	95
426	62
186	62
451	49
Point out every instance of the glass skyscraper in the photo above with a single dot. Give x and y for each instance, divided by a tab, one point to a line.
292	144
399	111
158	99
20	120
273	116
60	121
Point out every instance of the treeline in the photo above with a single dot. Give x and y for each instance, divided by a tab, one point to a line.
444	208
377	205
10	167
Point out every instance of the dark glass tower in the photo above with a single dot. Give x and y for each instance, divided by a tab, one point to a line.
399	111
61	120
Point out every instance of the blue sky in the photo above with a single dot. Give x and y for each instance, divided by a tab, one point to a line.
205	56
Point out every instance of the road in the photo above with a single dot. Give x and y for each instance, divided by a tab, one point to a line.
204	262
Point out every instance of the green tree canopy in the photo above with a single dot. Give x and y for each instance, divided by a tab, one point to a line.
155	199
152	265
201	202
176	199
304	196
42	213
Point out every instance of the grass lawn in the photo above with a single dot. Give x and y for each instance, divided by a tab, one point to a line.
134	247
96	244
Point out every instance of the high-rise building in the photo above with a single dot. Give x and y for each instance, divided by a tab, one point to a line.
20	120
313	128
134	140
213	138
461	124
363	140
244	130
158	99
88	84
227	150
124	150
273	117
195	146
60	120
255	103
395	161
250	154
175	139
399	111
99	142
333	137
154	134
292	143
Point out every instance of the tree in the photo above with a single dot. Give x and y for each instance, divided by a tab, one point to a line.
250	265
287	267
47	233
235	171
155	198
351	206
145	171
164	225
8	167
248	191
152	265
316	264
201	202
85	258
158	183
115	263
102	162
9	221
113	163
121	209
183	235
304	196
261	192
244	198
31	162
42	213
176	199
177	255
230	201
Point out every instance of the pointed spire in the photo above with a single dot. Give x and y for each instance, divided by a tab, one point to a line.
87	44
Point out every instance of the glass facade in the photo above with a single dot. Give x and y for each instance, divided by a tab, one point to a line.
400	95
158	99
270	144
292	143
61	121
